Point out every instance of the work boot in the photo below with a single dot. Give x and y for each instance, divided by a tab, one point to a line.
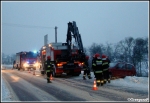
105	81
102	82
84	78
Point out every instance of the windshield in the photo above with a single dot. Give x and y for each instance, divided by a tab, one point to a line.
31	55
112	64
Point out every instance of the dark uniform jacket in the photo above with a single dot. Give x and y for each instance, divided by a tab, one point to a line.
97	63
93	67
105	63
48	66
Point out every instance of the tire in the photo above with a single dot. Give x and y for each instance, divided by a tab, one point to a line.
54	74
42	72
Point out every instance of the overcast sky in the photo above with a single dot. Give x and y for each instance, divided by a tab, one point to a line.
24	24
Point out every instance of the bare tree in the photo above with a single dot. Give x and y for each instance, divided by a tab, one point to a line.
138	54
95	48
108	50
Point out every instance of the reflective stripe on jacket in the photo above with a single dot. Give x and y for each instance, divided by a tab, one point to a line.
105	69
98	71
98	62
105	63
49	70
94	64
48	66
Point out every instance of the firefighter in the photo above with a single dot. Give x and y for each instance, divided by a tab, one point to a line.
86	69
97	64
93	67
49	68
105	65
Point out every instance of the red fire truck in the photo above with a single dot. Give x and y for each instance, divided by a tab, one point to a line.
66	57
26	60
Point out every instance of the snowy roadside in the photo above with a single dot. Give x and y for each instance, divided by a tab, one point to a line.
4	66
6	92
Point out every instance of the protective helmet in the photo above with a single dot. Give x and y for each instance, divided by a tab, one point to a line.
104	56
87	57
48	57
97	55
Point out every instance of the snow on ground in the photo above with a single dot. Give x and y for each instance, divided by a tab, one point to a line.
133	82
5	94
3	66
128	81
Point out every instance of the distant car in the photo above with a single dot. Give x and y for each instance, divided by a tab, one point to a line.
121	69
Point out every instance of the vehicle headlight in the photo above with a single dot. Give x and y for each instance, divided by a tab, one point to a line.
36	64
25	65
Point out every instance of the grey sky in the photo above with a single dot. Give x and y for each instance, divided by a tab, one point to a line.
98	22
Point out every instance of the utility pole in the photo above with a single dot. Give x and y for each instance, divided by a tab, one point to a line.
55	34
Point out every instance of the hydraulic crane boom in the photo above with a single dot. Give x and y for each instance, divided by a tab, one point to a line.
72	28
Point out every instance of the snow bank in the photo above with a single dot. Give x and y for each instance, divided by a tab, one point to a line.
129	81
133	82
6	94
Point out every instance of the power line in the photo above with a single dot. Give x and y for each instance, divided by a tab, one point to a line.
26	26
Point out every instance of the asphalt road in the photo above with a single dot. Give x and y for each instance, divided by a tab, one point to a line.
29	87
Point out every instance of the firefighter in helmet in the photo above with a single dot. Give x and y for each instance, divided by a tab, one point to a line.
48	68
86	69
97	64
105	65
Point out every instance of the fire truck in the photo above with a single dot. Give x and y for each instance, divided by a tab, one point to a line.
26	60
66	57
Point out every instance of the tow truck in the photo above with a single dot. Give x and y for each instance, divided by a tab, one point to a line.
66	57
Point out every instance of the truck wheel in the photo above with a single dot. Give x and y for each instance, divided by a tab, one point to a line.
54	74
42	72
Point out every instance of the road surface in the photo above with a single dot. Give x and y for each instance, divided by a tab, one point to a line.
28	87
